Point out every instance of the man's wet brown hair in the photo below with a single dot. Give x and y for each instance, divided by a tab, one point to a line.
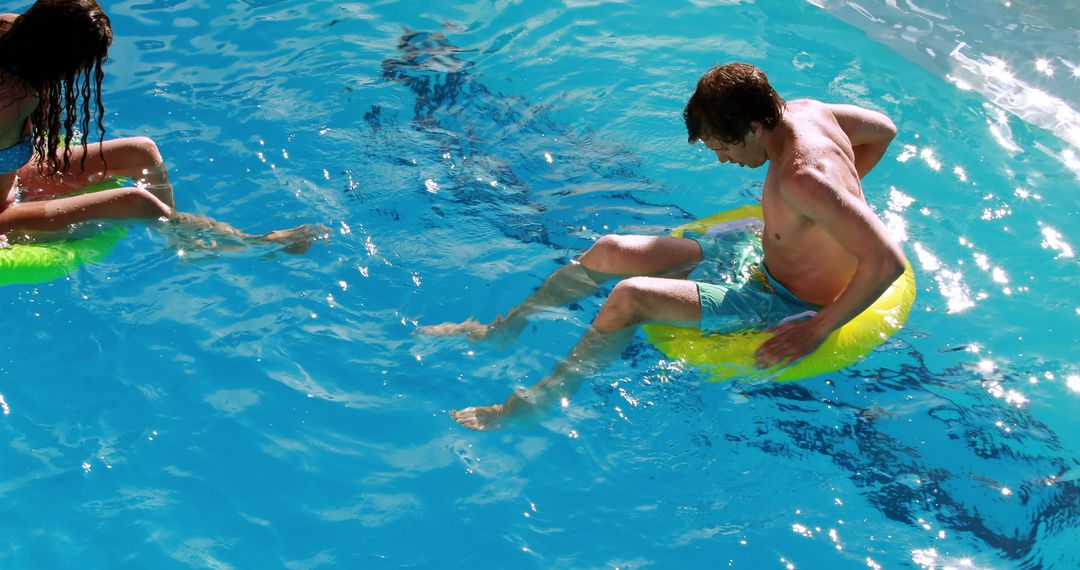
727	99
58	47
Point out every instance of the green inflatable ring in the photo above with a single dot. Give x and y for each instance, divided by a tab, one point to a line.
726	356
41	262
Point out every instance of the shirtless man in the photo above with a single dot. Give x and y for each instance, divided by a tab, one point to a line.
823	247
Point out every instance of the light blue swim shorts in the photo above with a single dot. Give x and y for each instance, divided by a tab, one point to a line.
736	290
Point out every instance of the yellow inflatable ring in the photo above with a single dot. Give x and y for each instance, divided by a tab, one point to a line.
726	356
45	261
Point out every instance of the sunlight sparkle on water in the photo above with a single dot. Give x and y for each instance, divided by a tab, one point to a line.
996	68
1016	398
1025	194
960	83
897	226
898	201
982	261
1070	159
951	284
1052	239
1073	382
999	129
927	558
927	154
927	259
907	153
1044	66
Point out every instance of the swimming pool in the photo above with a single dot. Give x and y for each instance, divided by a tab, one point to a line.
254	410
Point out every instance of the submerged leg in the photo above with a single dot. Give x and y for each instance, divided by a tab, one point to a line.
295	240
611	257
634	301
569	283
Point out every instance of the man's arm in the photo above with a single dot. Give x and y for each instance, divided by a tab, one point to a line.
858	229
870	133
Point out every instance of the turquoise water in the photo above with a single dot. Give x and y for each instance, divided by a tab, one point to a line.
256	410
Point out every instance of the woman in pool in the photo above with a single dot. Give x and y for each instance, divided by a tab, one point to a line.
51	60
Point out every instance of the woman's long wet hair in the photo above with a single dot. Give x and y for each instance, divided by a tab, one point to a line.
59	47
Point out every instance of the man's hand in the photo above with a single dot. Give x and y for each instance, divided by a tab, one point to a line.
793	341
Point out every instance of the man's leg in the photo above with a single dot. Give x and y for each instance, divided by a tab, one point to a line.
634	301
611	257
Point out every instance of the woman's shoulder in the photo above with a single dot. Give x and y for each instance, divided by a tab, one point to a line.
17	99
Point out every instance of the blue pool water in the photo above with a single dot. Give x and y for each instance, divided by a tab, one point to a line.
256	410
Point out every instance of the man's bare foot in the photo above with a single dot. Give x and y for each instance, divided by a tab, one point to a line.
297	240
500	333
472	328
519	407
480	418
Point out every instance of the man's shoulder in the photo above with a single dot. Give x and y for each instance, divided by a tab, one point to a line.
805	105
814	164
802	172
